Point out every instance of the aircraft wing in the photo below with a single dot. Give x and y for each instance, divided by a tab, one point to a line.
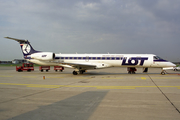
80	65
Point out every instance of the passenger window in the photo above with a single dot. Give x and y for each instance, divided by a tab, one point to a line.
113	58
117	58
99	58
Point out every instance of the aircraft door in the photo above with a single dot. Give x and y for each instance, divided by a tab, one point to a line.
87	59
154	63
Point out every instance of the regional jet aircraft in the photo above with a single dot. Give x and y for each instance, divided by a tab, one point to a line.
82	62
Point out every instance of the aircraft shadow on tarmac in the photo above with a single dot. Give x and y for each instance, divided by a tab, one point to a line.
91	73
79	107
106	73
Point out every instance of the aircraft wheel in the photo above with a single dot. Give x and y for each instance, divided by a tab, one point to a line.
163	73
75	73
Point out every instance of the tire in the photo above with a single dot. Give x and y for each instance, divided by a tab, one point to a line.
74	73
163	73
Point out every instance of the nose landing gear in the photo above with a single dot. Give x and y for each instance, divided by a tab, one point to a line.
163	72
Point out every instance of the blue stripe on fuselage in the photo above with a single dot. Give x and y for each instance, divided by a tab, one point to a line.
89	58
161	60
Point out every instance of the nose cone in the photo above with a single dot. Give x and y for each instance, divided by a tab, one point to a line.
173	65
170	64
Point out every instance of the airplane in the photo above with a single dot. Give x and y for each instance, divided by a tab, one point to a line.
82	62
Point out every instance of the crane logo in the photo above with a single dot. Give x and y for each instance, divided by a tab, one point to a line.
26	48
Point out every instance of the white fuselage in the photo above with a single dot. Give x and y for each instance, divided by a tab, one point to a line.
105	60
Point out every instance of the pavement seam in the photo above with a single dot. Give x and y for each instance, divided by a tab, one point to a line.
165	95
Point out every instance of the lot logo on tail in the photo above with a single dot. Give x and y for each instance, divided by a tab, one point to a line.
26	48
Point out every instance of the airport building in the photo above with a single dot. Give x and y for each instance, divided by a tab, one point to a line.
17	61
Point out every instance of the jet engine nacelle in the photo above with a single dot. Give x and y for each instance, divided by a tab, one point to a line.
43	56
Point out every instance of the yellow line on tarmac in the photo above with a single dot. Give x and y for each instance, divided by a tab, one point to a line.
115	87
5	76
54	77
29	76
97	87
81	77
112	78
142	78
34	85
165	77
12	84
46	86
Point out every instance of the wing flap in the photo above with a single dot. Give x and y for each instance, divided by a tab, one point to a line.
80	65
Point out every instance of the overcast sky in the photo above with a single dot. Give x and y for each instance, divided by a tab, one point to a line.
92	26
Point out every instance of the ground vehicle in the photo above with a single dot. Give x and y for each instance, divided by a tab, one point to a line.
41	68
176	68
25	67
60	68
131	70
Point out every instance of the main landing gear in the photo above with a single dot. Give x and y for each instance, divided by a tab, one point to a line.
163	72
75	72
78	72
131	70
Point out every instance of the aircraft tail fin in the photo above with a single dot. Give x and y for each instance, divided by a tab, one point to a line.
26	47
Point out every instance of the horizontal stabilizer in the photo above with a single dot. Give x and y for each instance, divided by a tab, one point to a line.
18	40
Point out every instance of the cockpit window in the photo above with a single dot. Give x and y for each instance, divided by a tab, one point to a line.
157	58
